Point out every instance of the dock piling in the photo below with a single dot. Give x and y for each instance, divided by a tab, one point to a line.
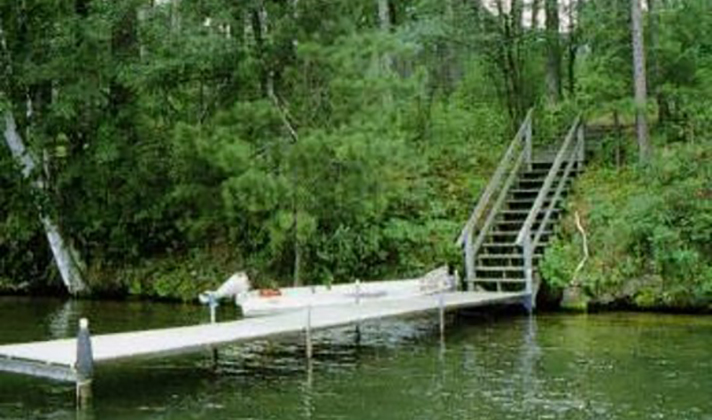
84	365
441	312
308	328
358	320
213	304
308	333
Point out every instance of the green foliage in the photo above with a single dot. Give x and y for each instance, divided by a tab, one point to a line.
649	231
303	138
188	126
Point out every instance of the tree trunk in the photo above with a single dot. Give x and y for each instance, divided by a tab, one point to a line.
64	256
535	14
572	47
516	13
553	62
654	80
641	121
260	29
296	275
384	22
124	49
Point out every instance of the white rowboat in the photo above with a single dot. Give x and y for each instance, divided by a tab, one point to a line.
259	303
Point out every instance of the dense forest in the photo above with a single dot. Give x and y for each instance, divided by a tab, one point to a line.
319	141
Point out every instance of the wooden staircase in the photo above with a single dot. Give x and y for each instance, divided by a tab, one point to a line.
514	219
500	261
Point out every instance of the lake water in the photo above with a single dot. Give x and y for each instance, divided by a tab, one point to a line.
552	366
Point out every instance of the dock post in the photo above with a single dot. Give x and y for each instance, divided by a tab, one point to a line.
529	299
441	311
214	357
213	304
84	365
358	321
308	333
308	328
358	291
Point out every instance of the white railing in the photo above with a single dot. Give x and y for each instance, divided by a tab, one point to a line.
485	212
528	238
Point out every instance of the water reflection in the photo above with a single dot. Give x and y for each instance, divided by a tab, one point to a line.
307	391
628	367
62	322
528	359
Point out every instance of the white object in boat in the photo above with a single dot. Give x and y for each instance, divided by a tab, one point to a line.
258	303
238	284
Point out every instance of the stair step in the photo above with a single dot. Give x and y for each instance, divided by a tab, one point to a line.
523	211
506	232
510	237
528	191
527	205
506	256
516	224
545	172
515	263
515	233
503	280
539	181
494	245
529	200
498	268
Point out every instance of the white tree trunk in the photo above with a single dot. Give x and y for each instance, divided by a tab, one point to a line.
384	20
64	255
534	25
553	59
641	94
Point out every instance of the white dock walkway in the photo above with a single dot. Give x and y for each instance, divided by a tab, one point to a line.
56	359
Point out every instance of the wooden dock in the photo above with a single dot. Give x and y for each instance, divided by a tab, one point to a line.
56	359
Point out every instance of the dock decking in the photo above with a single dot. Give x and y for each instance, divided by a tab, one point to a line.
56	359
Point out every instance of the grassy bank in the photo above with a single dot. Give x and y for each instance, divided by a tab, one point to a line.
649	232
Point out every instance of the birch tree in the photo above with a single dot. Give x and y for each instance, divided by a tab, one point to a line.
553	47
384	21
535	14
65	257
641	95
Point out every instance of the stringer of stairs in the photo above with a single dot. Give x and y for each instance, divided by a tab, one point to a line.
513	221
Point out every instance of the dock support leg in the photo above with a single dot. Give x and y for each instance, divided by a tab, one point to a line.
357	334
84	365
214	357
358	303
308	334
213	304
441	313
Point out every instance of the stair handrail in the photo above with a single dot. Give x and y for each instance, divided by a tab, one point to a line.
577	155
524	238
524	130
548	182
522	138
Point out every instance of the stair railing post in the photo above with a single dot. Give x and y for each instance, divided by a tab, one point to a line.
469	262
528	272
582	143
